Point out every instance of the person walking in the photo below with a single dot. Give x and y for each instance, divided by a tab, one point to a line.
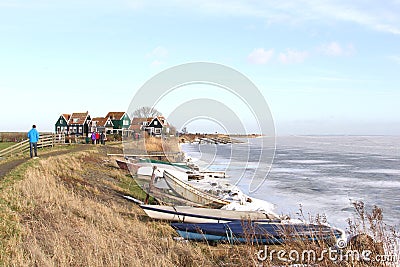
33	136
93	138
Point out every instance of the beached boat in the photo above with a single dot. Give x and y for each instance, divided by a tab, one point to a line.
189	214
191	169
191	193
256	232
127	165
190	173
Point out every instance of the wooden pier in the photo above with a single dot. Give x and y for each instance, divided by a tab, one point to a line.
219	140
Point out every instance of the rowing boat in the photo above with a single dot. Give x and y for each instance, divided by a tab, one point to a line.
191	193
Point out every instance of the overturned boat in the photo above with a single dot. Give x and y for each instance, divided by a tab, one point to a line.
264	232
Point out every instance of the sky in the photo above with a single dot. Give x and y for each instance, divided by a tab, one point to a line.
324	67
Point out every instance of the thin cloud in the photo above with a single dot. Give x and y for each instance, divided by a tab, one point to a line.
378	16
259	56
156	63
159	52
293	56
332	49
395	59
381	18
158	55
335	49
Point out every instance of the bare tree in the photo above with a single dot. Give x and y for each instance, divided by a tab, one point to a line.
146	112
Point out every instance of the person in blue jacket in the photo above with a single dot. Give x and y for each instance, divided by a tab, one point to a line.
33	136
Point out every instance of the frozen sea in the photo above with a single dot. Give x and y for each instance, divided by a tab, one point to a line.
324	174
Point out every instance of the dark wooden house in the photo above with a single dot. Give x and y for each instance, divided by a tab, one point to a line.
61	126
157	126
120	120
79	123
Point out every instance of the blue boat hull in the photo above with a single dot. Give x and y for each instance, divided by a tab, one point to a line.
253	232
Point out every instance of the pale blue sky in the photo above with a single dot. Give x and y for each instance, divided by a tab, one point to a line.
324	67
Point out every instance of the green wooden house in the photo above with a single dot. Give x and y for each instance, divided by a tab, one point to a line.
120	120
61	125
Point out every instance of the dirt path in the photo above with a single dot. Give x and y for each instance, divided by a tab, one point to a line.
6	167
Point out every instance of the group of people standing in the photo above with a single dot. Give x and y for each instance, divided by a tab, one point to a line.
98	138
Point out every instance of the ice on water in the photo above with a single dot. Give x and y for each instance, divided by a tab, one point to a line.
324	174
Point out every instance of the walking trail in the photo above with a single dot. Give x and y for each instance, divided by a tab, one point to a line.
7	166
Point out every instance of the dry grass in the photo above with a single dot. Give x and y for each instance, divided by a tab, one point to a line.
154	144
13	136
149	144
54	214
67	211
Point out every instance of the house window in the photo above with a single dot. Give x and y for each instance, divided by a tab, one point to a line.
61	122
158	130
80	129
155	122
75	120
126	122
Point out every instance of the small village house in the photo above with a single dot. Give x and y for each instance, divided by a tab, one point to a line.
100	124
61	126
156	126
120	120
78	124
137	127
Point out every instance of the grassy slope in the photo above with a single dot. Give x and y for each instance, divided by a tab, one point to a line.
67	211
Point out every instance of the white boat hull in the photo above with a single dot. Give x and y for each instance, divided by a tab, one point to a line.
202	215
